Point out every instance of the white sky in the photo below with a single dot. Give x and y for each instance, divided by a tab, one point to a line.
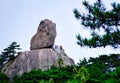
19	20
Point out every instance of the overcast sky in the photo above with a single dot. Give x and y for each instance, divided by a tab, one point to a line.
19	20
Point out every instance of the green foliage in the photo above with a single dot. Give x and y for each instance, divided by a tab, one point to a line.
82	74
72	81
4	78
59	75
83	62
118	71
102	69
94	81
50	81
8	53
42	81
60	62
97	18
110	81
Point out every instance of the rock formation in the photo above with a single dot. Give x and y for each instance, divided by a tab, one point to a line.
42	54
36	59
45	36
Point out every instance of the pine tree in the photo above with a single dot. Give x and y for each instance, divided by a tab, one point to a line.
8	53
97	19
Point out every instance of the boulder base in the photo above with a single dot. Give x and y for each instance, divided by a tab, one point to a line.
36	59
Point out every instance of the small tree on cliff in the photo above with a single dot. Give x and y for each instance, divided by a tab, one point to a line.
8	53
60	62
97	18
82	74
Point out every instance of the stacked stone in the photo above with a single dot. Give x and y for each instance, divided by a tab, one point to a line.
43	53
45	36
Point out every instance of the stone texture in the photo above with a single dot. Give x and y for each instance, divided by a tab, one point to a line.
45	36
36	59
43	53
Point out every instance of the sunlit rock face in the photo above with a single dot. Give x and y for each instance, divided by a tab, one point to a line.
36	59
45	35
43	53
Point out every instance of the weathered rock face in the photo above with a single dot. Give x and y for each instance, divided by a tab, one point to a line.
42	54
36	59
45	36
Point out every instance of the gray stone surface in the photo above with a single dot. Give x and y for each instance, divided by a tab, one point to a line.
42	54
45	36
36	59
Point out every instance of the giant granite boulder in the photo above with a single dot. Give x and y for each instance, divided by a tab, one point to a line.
45	36
36	59
43	53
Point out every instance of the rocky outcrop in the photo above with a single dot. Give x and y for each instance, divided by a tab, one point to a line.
42	54
45	36
36	59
